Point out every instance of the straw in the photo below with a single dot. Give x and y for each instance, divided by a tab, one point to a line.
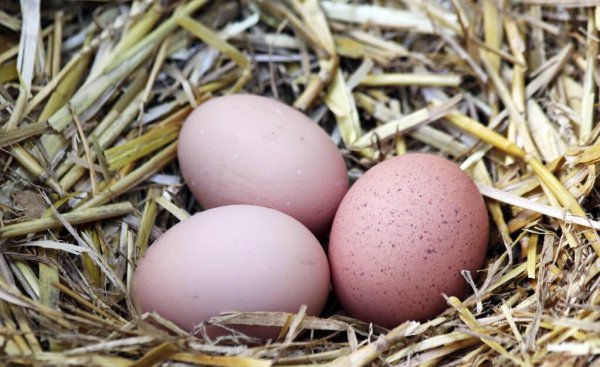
92	99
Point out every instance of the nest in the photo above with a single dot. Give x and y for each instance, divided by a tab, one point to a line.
92	97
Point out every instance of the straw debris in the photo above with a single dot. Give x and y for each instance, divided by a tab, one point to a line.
92	98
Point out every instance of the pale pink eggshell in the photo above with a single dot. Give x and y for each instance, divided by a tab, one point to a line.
401	237
246	149
232	258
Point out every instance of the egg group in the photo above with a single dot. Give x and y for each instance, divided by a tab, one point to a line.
401	237
271	181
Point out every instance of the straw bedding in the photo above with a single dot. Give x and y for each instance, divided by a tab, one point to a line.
92	96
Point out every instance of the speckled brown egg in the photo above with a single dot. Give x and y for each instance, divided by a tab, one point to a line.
232	258
402	235
246	149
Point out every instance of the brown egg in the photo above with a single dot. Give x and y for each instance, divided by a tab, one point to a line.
401	237
232	258
245	149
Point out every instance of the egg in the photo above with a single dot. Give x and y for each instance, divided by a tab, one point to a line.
401	237
246	149
232	258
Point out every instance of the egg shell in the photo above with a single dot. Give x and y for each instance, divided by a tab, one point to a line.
246	149
401	237
232	258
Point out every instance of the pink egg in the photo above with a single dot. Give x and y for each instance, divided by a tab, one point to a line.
245	149
401	237
232	258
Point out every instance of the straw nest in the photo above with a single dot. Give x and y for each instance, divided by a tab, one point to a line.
92	96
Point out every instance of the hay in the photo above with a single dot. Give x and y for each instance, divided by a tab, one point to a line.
92	97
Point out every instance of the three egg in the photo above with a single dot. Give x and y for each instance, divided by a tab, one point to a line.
269	177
